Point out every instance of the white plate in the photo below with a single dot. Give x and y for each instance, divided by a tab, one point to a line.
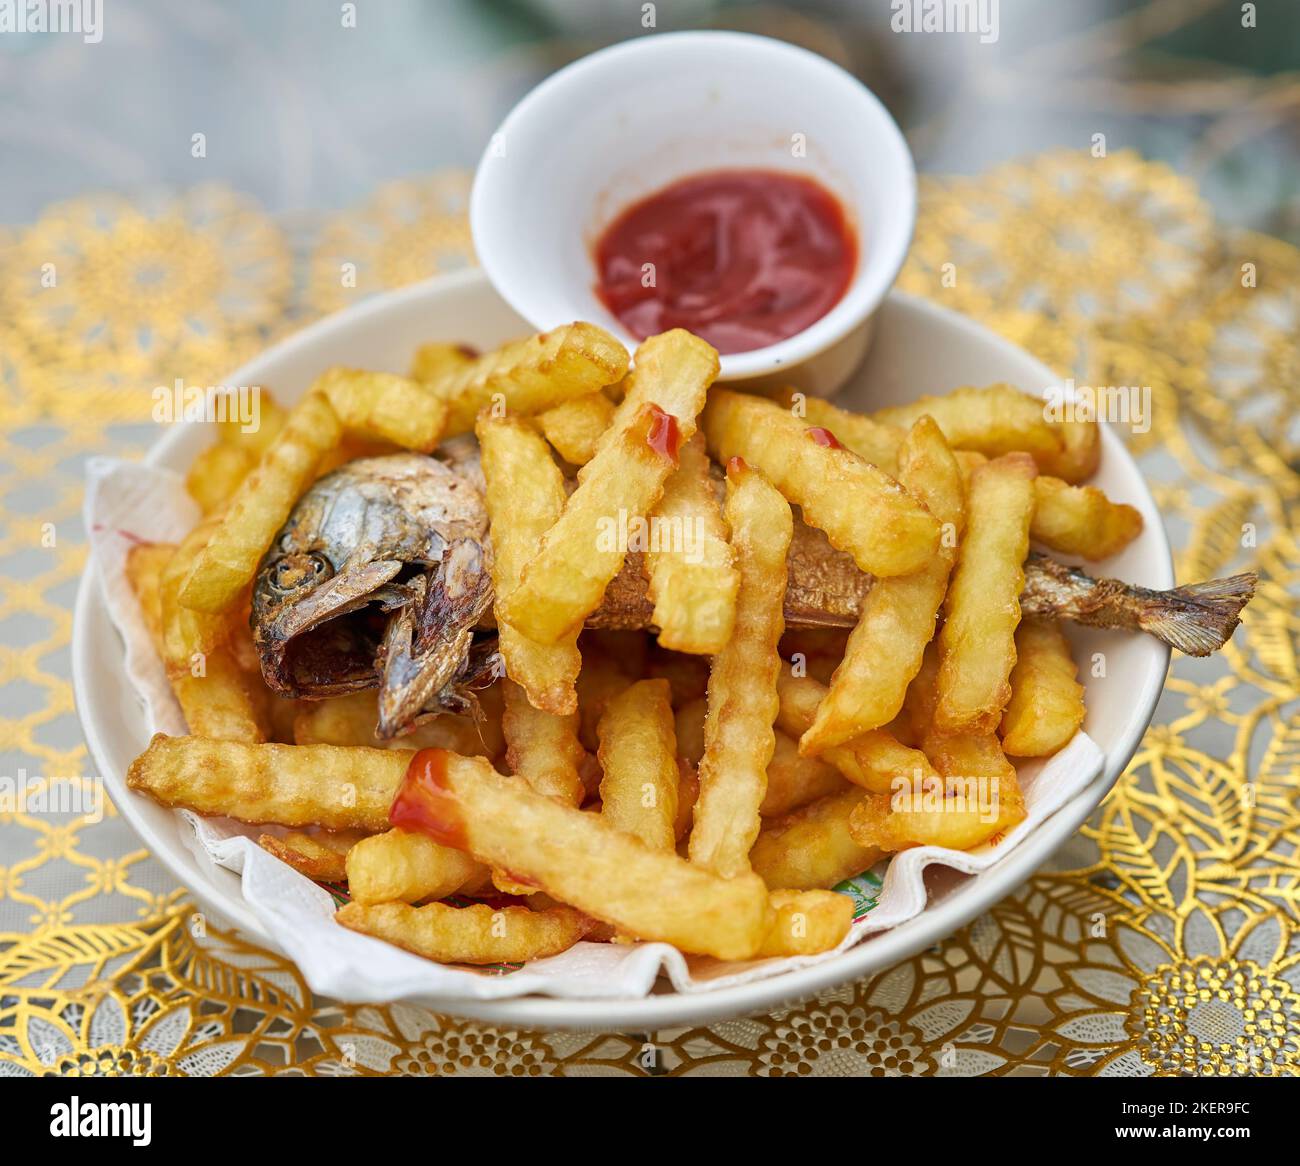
919	349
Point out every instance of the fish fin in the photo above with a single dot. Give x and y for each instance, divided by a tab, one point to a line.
1200	618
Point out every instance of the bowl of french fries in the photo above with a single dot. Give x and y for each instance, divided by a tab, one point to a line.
515	660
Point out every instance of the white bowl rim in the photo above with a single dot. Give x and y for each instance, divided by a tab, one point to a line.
936	922
871	281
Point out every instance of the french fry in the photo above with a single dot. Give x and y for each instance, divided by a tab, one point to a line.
738	738
1046	706
322	857
599	681
339	788
862	510
405	866
579	555
994	420
145	563
873	440
687	675
477	934
260	506
216	474
542	748
794	781
271	418
432	362
385	407
580	859
807	922
688	724
530	376
524	497
638	755
1081	520
898	615
352	720
215	695
688	792
977	642
811	848
575	426
693	581
1080	453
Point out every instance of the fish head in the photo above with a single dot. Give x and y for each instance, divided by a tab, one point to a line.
350	554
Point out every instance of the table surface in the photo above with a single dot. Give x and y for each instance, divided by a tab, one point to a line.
1163	939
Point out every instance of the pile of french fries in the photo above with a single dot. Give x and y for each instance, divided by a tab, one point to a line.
707	783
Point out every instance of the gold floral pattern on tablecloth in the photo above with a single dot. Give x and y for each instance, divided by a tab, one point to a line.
1162	940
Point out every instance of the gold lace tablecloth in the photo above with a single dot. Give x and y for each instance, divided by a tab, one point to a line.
1162	940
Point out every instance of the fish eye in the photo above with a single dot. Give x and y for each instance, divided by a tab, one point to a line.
295	571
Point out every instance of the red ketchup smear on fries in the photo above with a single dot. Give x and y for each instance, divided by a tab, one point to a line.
665	437
425	802
823	436
742	258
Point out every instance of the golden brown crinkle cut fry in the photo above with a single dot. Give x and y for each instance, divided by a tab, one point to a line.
575	427
992	420
322	857
255	434
216	473
477	934
578	556
861	509
624	481
1080	452
145	564
811	847
638	756
339	788
807	922
532	375
794	781
690	565
385	407
898	614
578	858
541	747
977	643
1081	520
260	506
738	737
689	726
215	695
437	359
873	440
1046	706
524	497
405	866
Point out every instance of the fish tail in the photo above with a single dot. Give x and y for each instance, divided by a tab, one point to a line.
1200	618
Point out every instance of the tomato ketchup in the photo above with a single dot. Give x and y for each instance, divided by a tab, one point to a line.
741	258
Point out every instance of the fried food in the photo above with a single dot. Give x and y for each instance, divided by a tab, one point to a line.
794	781
580	859
993	420
259	507
438	359
321	857
692	573
216	474
477	934
145	563
862	510
638	756
541	747
583	551
405	866
575	427
738	738
811	848
385	407
337	787
529	376
525	496
898	615
353	720
1046	706
977	643
807	922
